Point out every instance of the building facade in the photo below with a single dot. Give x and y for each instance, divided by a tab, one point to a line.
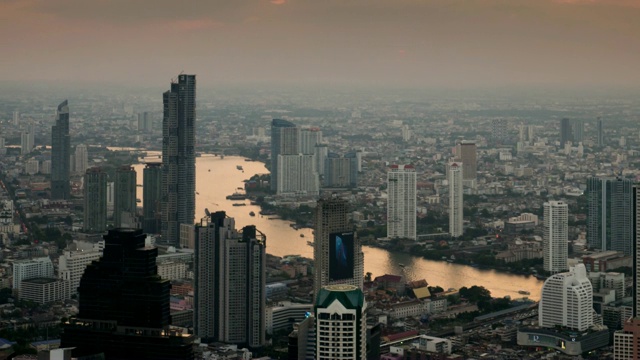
466	152
41	267
556	236
456	201
71	266
151	189
610	214
401	202
567	300
285	140
178	157
297	175
61	154
95	200
125	207
81	158
44	290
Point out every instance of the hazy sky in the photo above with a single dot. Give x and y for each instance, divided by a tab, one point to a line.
426	43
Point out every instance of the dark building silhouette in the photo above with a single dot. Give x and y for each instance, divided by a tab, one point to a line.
566	131
124	305
125	207
60	154
178	157
600	133
151	188
95	200
285	140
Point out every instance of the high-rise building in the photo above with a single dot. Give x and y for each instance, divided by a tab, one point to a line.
71	266
341	171
337	251
500	131
285	140
566	132
467	153
95	200
81	159
556	236
341	324
125	207
309	138
144	122
297	174
178	157
41	267
456	200
636	252
321	152
401	202
151	189
124	305
16	118
26	142
60	154
230	279
577	127
610	214
600	139
567	300
3	149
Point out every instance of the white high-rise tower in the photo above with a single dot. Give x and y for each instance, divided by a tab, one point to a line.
556	234
82	159
456	211
401	204
567	300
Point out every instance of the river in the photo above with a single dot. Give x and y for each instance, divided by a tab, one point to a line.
216	178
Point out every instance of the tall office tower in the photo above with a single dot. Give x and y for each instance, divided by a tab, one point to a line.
567	300
636	251
95	200
309	138
467	153
577	127
144	122
26	142
82	159
531	133
456	200
151	189
566	133
125	207
337	251
556	236
500	131
71	266
230	280
60	154
297	175
16	118
341	323
178	157
31	269
341	171
610	214
285	140
3	149
600	139
124	305
401	202
321	152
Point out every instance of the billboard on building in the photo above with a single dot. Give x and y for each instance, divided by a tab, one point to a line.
341	256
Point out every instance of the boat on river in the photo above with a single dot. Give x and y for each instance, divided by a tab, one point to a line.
524	292
252	214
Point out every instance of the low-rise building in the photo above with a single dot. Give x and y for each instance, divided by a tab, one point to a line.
44	290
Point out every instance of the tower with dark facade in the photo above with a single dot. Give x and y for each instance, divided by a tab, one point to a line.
95	200
124	305
610	214
178	157
151	189
285	140
566	131
60	154
125	207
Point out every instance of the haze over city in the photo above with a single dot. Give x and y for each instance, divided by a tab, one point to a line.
394	43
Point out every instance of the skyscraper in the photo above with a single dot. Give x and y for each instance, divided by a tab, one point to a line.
95	200
297	174
26	142
337	251
600	139
309	138
341	171
151	189
82	159
401	202
178	157
456	200
567	300
60	154
16	118
144	122
577	127
566	134
610	214
500	131
124	305
285	140
230	279
636	252
467	153
555	242
341	323
125	207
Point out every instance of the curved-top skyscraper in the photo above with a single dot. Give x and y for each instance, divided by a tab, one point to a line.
178	157
60	154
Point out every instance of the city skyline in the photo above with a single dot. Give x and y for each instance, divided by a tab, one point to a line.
384	42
